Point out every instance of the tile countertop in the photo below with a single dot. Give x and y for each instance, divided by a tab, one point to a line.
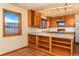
59	35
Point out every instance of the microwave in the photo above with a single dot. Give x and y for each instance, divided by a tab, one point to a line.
60	23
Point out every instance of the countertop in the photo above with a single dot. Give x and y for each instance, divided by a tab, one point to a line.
59	35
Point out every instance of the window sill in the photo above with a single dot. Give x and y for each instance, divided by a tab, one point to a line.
11	35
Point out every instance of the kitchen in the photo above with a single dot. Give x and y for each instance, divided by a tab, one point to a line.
53	34
39	29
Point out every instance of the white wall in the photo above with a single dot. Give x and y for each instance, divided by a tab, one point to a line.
12	43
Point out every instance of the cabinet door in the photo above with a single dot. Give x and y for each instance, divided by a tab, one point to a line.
30	18
52	21
37	19
69	21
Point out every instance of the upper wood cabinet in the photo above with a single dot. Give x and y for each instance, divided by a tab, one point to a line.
31	18
61	18
52	21
34	19
69	21
37	19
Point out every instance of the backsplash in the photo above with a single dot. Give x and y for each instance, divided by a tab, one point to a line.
67	29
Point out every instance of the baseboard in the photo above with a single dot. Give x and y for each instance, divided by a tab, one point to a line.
13	50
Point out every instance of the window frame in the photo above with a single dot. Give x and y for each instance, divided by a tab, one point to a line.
19	27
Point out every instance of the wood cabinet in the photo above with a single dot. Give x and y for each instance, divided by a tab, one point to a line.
43	43
69	21
62	44
37	19
61	17
52	45
32	41
52	21
31	18
34	18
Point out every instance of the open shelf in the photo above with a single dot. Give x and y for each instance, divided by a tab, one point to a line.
61	39
57	51
43	38
62	46
61	42
32	45
53	46
32	37
45	46
32	42
43	49
43	41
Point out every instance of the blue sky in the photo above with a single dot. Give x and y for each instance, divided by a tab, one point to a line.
12	18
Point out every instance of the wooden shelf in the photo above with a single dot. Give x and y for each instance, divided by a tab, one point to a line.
62	46
43	41
32	37
59	51
43	49
43	38
32	45
32	42
45	46
61	42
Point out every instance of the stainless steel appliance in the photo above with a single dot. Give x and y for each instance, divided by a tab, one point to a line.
60	23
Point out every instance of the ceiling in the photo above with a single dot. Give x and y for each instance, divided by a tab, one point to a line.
43	6
38	6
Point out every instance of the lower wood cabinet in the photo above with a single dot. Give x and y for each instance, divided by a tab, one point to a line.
32	41
43	44
52	45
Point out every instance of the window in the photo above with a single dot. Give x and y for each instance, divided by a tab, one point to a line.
43	23
12	23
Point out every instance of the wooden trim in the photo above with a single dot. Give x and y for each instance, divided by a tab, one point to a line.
36	41
50	43
20	24
14	12
72	41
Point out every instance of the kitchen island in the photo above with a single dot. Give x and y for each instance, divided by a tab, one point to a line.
57	44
